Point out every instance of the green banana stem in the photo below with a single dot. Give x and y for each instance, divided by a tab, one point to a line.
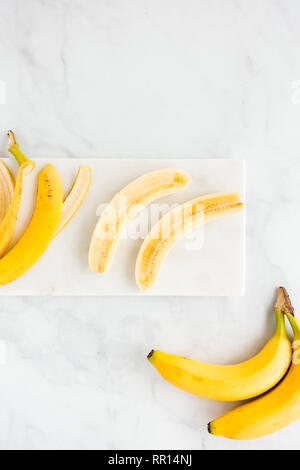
284	306
14	149
295	324
280	324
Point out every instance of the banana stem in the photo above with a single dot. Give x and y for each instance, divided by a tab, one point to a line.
11	139
284	306
14	149
280	324
295	324
283	303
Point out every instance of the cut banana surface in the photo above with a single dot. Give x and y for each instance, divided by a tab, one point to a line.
125	206
272	411
40	230
7	185
174	226
229	383
76	196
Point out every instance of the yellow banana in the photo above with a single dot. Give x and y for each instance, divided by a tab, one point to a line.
175	225
124	207
8	223
7	186
76	196
229	383
274	410
40	230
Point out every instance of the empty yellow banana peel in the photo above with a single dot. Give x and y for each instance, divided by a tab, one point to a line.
9	221
175	225
50	214
40	230
11	194
75	198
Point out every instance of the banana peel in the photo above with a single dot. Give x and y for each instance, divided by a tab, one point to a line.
11	194
40	230
7	186
75	198
9	221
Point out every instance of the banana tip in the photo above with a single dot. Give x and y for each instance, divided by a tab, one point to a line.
12	139
142	284
150	354
283	302
209	428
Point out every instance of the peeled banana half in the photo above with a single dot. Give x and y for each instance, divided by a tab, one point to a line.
229	383
124	207
274	410
175	225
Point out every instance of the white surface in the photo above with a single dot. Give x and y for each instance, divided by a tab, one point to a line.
210	261
159	78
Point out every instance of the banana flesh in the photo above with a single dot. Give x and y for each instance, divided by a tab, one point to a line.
7	186
40	230
9	221
75	198
175	225
124	207
274	410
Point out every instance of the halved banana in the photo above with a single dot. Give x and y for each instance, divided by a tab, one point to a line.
76	196
7	186
176	224
125	206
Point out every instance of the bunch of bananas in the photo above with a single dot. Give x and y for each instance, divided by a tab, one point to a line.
274	370
50	215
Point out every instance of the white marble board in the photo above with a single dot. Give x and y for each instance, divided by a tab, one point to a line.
215	269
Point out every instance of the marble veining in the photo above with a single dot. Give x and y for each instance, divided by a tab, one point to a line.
159	78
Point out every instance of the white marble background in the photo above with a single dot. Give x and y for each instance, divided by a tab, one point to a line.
149	78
